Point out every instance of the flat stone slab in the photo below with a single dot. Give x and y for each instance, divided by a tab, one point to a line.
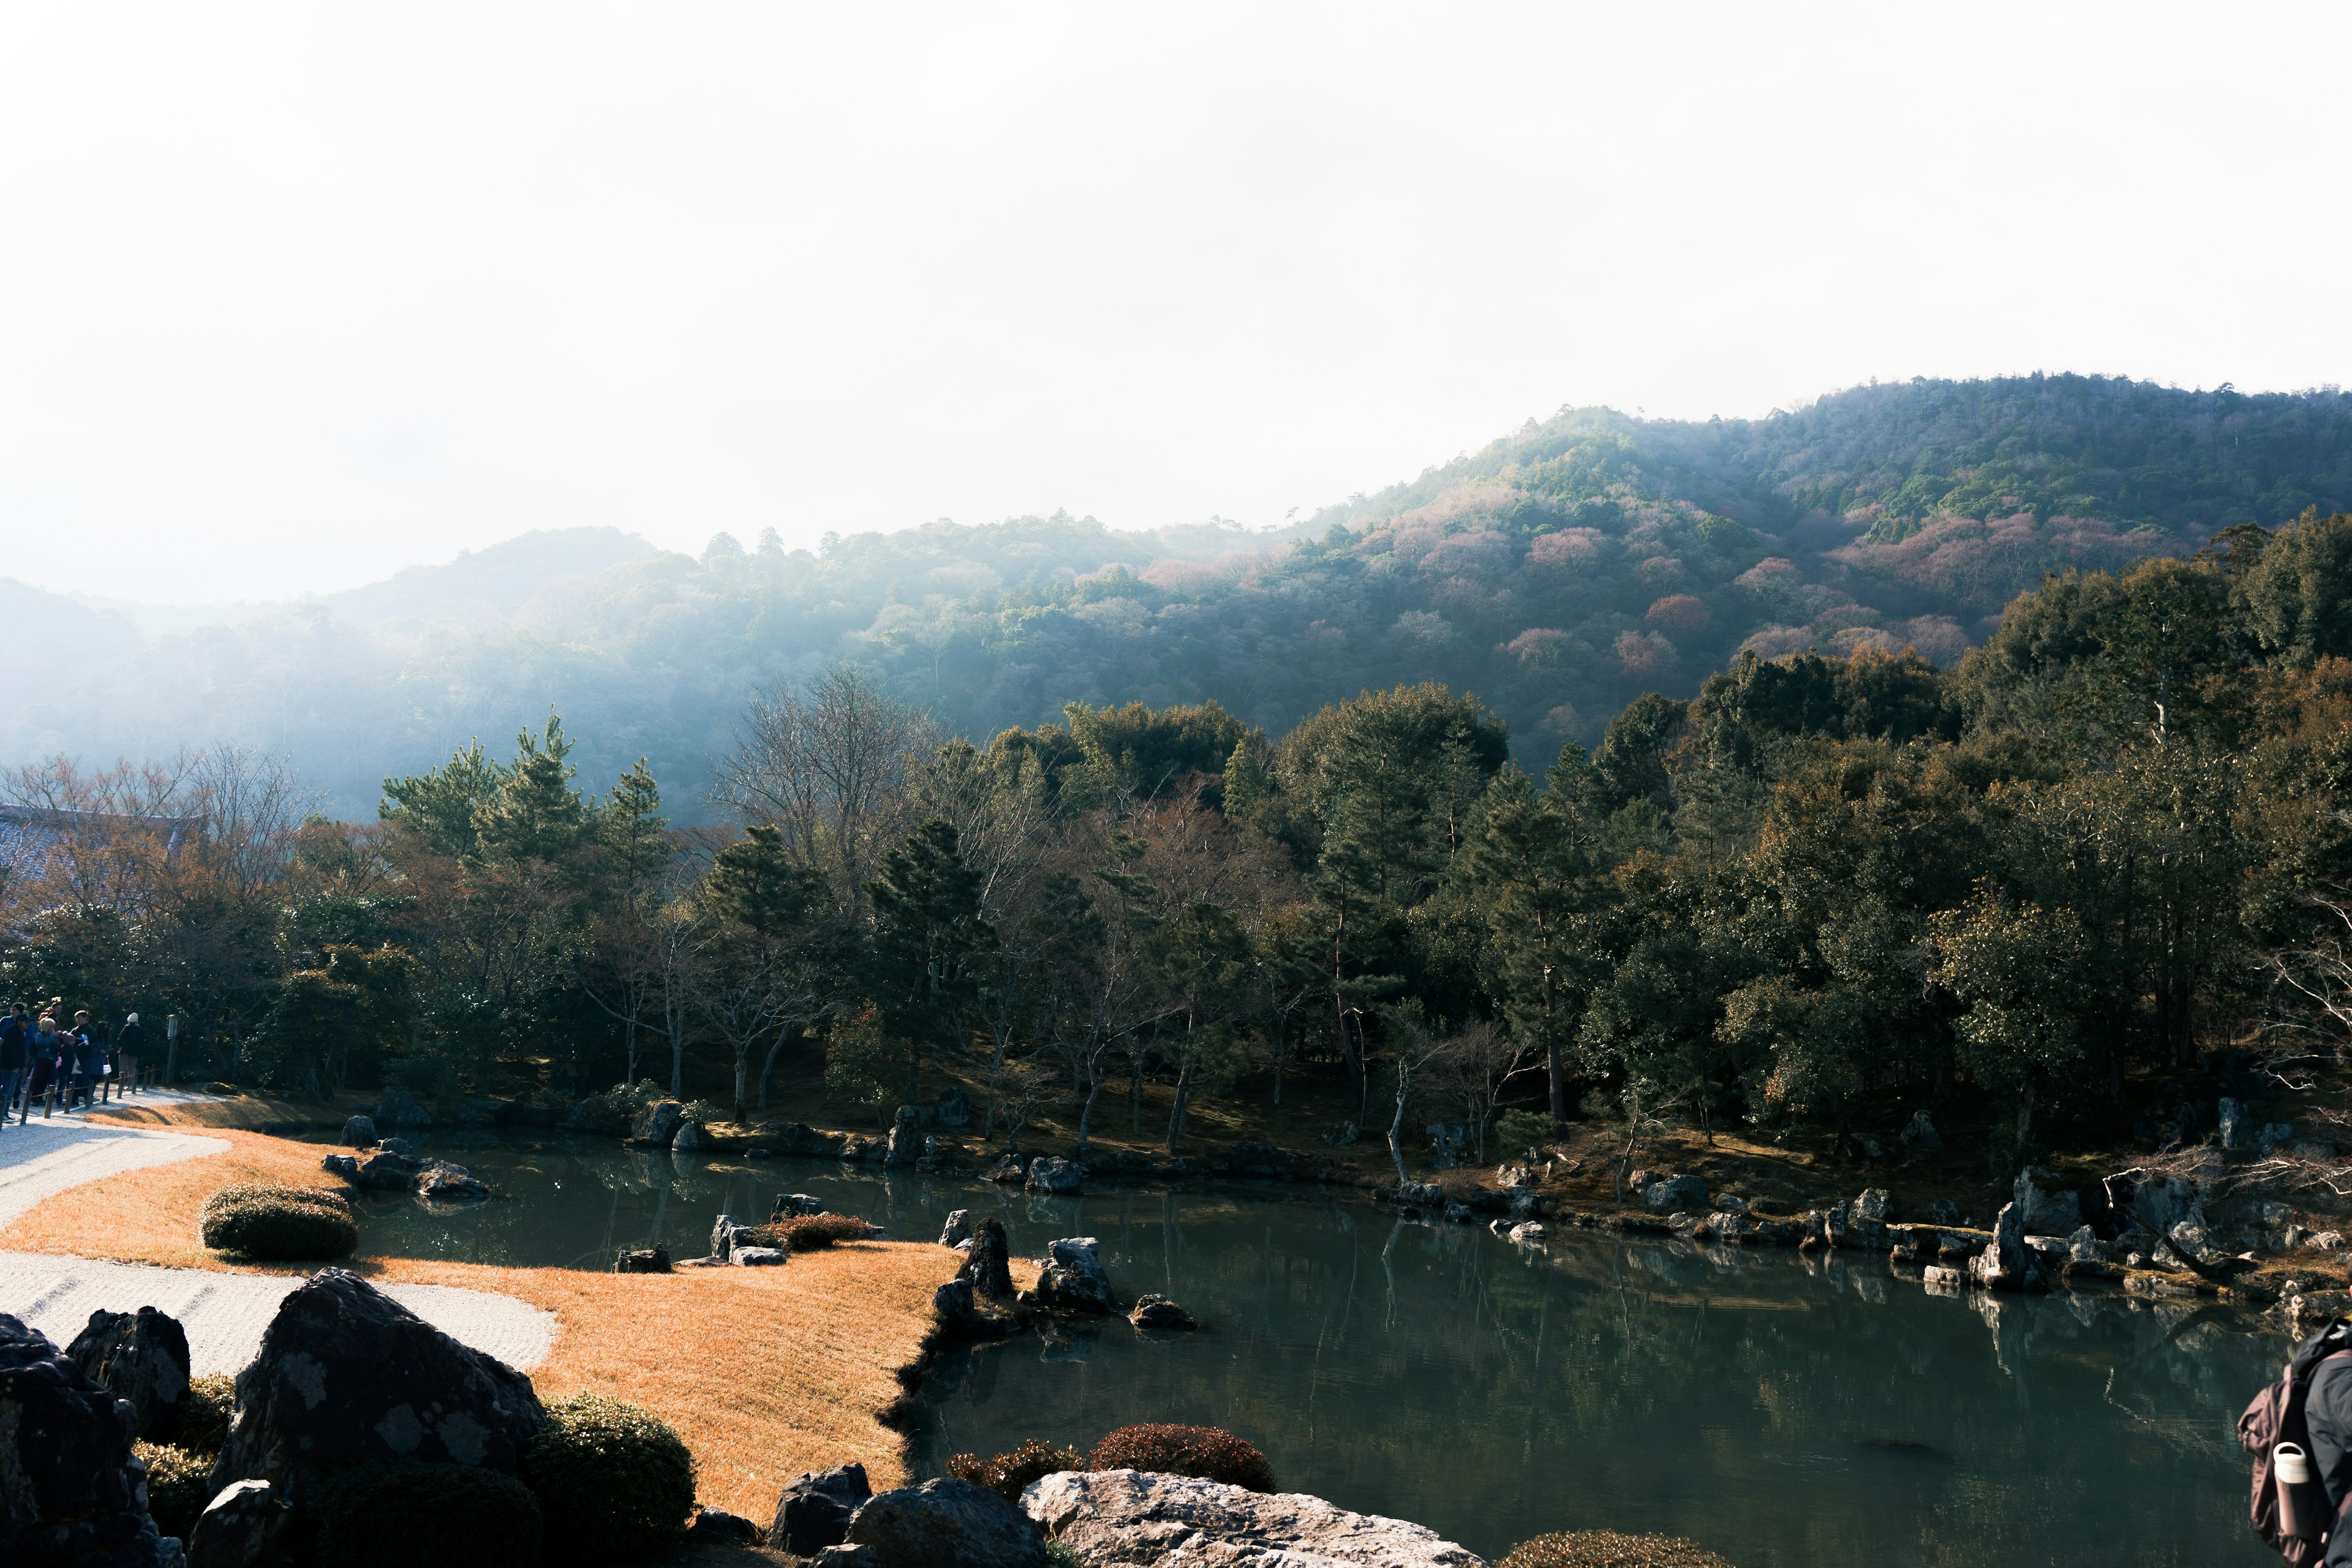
1137	1519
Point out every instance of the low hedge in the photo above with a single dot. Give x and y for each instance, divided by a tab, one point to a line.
807	1232
179	1484
1009	1475
1607	1549
202	1425
1210	1453
278	1224
613	1481
404	1514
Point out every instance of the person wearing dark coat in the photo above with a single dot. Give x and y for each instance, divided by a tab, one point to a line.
129	1045
15	1056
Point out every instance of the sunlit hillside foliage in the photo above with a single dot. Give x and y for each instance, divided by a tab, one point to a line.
1557	573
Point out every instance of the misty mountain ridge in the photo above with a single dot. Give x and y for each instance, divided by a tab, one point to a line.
1557	573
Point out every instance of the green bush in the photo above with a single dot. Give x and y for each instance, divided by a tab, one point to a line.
806	1233
1607	1549
1518	1132
278	1224
1009	1475
179	1484
613	1481
1210	1453
404	1514
202	1425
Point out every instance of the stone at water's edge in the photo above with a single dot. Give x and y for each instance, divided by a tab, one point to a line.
656	1124
140	1356
957	1229
812	1512
347	1376
791	1205
69	1491
946	1523
686	1137
359	1132
1133	1519
989	1265
963	1318
1676	1192
644	1260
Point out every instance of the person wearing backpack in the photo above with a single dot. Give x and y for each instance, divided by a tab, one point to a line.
2299	1431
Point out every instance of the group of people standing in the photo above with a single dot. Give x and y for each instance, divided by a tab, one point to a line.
36	1053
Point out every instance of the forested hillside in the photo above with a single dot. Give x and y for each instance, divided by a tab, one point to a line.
2026	894
1557	573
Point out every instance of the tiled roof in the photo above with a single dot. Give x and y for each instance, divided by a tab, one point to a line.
34	840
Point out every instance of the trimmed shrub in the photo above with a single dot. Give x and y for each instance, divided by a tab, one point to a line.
179	1484
613	1481
202	1427
1009	1475
807	1232
1607	1549
403	1514
1211	1453
278	1224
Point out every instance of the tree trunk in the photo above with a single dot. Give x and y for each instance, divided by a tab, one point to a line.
1396	1122
1176	1111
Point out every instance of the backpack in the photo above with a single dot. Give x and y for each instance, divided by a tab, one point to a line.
2275	1419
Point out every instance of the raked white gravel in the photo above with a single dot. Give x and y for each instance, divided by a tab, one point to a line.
224	1314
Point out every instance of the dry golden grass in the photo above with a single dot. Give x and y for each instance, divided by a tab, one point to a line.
253	1111
764	1371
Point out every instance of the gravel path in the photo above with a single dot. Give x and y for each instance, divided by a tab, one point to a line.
224	1314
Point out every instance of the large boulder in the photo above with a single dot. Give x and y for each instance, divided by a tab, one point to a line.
1048	1174
2048	1208
1673	1193
1159	1312
643	1260
444	1182
814	1511
656	1124
793	1206
246	1525
989	1263
1071	1279
347	1376
947	1524
142	1357
359	1132
2007	1263
1149	1521
71	1492
1919	1133
963	1317
957	1232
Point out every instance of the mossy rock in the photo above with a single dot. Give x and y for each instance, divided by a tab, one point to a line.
1607	1549
615	1482
179	1484
404	1515
277	1223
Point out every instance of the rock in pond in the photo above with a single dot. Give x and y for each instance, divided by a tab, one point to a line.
386	1172
813	1512
347	1376
643	1260
445	1183
139	1356
359	1132
70	1489
1159	1312
946	1523
1072	1278
1147	1520
905	1145
1048	1174
1526	1232
793	1206
686	1138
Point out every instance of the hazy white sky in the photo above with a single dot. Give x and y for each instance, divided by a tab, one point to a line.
292	296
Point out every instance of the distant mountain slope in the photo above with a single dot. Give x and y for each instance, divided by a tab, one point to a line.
1557	573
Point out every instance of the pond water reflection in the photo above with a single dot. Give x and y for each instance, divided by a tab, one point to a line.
1789	1412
